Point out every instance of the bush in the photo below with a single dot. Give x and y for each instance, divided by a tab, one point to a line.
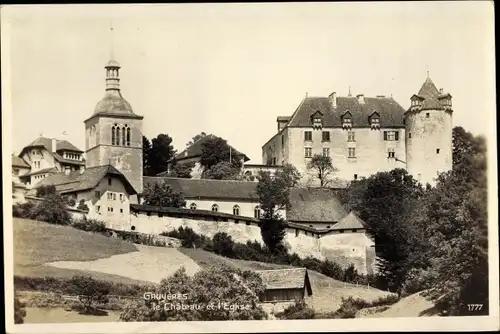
140	238
90	291
89	225
19	311
82	206
44	191
188	237
332	269
51	210
223	244
49	300
349	308
297	311
350	274
23	210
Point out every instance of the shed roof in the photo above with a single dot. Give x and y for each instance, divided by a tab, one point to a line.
351	221
293	278
19	162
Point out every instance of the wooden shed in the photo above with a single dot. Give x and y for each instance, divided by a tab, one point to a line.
285	285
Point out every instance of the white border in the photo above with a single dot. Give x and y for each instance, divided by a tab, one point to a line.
473	323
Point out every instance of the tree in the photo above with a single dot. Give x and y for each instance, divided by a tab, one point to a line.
161	153
182	170
215	150
44	191
216	293
455	222
162	194
146	153
223	170
273	196
82	205
290	174
384	201
322	167
89	291
52	209
19	311
196	138
223	244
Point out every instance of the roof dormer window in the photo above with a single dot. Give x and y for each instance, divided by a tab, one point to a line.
374	120
317	120
347	120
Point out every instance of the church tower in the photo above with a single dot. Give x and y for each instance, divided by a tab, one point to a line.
113	134
428	132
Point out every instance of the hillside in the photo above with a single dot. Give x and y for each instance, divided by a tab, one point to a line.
327	292
415	305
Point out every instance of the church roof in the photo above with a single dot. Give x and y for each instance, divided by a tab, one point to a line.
315	205
430	95
391	113
195	150
61	145
19	162
76	181
114	104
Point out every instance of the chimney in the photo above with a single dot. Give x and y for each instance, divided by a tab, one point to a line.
441	91
54	145
361	98
333	99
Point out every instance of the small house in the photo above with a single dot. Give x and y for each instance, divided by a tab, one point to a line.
285	285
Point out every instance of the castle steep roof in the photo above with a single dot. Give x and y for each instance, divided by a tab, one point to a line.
315	205
61	146
391	113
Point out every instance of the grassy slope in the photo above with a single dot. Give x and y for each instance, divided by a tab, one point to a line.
327	292
36	243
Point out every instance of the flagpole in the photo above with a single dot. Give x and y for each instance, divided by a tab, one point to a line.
230	160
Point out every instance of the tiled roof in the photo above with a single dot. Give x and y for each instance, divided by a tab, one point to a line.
431	96
61	145
113	104
41	171
19	162
203	188
294	278
89	179
195	149
315	205
391	113
351	221
283	118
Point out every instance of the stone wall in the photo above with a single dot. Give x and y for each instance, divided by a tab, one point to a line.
343	247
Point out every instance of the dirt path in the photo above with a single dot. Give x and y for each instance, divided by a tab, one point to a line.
149	263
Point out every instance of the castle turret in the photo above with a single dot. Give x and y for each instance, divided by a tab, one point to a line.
428	135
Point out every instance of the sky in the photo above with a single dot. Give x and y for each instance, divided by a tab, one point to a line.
231	69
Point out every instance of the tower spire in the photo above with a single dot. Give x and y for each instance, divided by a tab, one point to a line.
427	71
112	33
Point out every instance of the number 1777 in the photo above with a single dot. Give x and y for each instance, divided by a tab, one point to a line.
474	307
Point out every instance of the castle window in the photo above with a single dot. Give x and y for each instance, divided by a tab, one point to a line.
326	152
308	152
391	135
375	121
121	211
114	197
97	208
282	141
354	230
355	176
236	210
437	150
328	226
128	136
123	136
296	232
109	181
256	212
308	136
215	208
350	136
427	115
341	231
133	228
192	206
409	135
97	194
390	153
325	136
352	152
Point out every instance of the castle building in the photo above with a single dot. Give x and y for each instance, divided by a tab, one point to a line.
365	135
